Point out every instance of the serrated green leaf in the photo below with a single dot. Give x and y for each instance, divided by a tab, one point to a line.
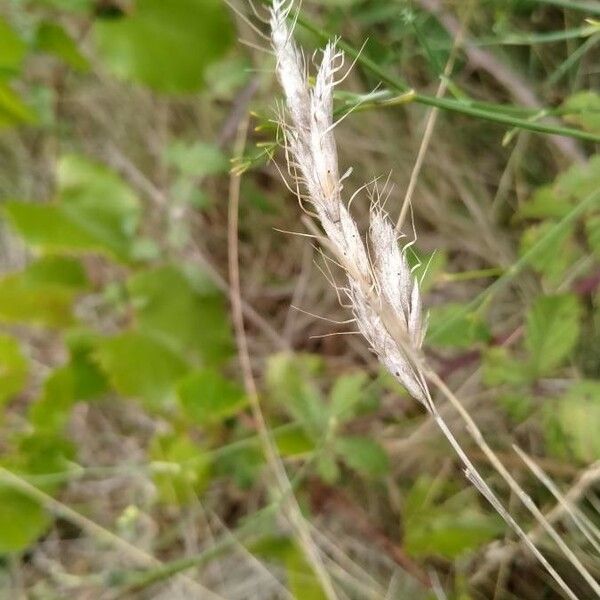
580	180
545	203
362	454
166	46
571	423
207	397
196	160
189	316
141	366
437	522
183	469
13	368
583	110
517	405
500	368
465	329
95	211
557	258
43	293
290	382
552	331
345	396
22	520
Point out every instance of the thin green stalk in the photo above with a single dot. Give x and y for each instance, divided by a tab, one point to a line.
449	104
592	8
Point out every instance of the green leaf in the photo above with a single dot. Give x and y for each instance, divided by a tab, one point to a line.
53	409
13	368
196	160
22	520
292	442
583	110
141	366
53	39
545	203
346	395
327	467
181	469
95	211
165	45
580	180
451	526
464	329
426	268
188	315
362	454
571	423
551	332
290	382
557	258
79	379
500	368
592	229
302	581
207	397
43	293
556	200
12	108
518	406
12	50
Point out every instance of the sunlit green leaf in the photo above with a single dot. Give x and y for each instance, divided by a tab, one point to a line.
436	523
571	424
500	368
141	366
189	315
464	329
557	257
290	382
346	395
302	581
583	110
12	50
362	454
13	368
165	45
181	468
22	520
43	293
551	332
208	397
95	211
53	39
196	160
13	110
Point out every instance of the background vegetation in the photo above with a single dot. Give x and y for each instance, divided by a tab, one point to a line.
131	463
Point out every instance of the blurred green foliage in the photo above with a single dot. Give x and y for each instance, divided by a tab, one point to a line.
128	318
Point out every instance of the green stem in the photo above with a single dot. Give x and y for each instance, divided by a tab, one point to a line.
458	106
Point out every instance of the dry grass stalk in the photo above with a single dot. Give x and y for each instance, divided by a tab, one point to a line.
380	289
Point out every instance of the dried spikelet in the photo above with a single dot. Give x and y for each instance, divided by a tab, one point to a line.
383	295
